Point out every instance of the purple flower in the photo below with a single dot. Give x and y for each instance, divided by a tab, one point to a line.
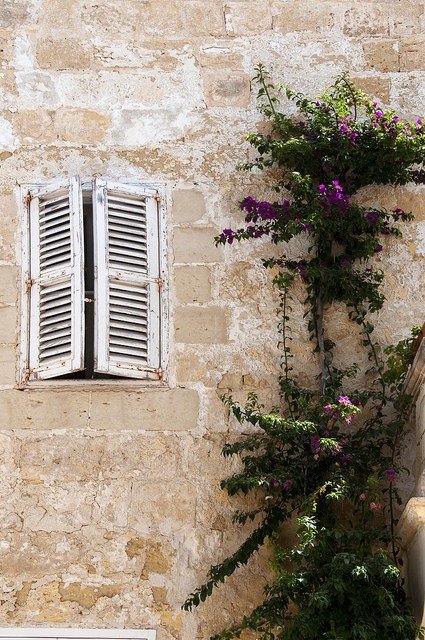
372	217
287	485
378	113
378	248
345	400
227	236
390	473
315	443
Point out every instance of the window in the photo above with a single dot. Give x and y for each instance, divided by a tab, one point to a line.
93	282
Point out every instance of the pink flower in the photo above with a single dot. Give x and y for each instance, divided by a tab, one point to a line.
375	506
390	473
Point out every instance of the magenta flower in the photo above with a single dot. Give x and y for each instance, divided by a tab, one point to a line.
390	473
315	443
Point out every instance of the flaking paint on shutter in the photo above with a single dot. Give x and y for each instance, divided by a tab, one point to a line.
56	327
127	280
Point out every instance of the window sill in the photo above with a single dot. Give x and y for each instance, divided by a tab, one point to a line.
93	385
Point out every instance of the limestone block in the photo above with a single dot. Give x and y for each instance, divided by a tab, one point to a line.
63	53
7	365
199	364
40	558
188	205
382	55
292	17
43	409
166	506
407	19
8	325
87	596
33	125
412	55
82	126
153	555
223	54
217	420
156	410
226	88
8	228
154	456
150	126
410	198
36	89
62	459
158	18
109	17
9	285
247	17
60	14
379	88
196	245
367	20
193	284
231	381
13	13
201	325
199	17
6	46
56	509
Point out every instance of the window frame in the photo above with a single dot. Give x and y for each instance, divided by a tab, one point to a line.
87	189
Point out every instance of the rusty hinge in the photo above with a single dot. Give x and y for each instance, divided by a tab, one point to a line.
157	197
89	300
27	199
28	284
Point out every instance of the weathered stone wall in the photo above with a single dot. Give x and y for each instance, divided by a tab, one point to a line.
110	505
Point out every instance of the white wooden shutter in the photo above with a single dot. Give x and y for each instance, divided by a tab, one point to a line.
55	285
127	280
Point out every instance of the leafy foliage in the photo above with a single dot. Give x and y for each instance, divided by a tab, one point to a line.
327	458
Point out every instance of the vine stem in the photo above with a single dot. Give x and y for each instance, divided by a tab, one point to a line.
285	338
262	79
321	342
378	365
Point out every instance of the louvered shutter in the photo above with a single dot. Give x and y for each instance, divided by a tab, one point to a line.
55	285
127	280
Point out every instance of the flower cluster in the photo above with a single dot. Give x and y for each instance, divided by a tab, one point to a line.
344	409
333	196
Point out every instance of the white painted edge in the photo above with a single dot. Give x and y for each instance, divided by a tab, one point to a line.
58	633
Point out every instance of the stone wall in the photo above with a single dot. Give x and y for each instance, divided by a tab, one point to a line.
110	499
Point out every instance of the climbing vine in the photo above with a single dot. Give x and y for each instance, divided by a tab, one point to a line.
328	456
